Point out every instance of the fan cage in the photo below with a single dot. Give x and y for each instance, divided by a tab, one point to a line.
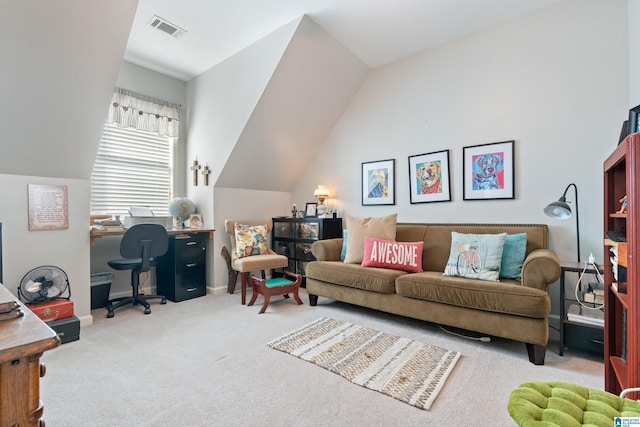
48	289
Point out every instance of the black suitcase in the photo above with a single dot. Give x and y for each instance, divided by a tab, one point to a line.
67	329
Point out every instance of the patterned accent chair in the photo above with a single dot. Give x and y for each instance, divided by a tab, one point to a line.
247	263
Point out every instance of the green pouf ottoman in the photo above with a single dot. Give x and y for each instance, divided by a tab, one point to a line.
562	404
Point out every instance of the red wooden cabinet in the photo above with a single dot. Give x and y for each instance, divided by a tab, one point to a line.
622	280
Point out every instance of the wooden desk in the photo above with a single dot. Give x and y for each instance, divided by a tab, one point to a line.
22	342
96	234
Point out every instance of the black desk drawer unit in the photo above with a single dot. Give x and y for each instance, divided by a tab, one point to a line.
182	272
293	237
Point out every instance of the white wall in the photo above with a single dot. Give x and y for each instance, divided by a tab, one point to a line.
634	52
556	82
221	101
68	249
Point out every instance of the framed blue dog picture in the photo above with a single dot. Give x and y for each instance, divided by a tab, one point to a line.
429	177
488	171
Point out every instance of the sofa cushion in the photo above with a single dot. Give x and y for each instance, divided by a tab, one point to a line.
380	280
404	256
475	256
507	296
513	255
380	227
250	240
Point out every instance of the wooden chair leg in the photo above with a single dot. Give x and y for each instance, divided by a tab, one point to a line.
232	274
244	286
233	278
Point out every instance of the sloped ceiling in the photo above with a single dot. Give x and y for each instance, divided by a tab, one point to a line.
60	62
376	31
310	88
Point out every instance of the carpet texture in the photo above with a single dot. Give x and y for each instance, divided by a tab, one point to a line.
408	370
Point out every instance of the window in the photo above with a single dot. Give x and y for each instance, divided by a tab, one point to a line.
133	166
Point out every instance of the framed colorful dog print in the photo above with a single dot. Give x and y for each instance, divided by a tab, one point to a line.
379	183
429	177
488	171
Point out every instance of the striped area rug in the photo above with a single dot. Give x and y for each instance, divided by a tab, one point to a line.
408	370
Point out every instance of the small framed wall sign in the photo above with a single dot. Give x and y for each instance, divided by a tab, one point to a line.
379	183
488	171
48	207
429	177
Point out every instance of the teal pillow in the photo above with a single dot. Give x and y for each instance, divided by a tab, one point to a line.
513	254
475	256
343	253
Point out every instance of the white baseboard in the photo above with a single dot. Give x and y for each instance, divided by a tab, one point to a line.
217	290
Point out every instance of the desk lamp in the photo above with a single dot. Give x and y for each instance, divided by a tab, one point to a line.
561	210
321	194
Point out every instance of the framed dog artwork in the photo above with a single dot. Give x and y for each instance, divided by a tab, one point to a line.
488	171
429	177
379	182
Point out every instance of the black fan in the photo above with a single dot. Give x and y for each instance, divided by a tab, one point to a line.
44	283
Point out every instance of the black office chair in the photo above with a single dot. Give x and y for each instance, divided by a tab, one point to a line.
140	245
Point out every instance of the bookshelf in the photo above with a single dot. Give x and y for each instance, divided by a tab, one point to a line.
622	281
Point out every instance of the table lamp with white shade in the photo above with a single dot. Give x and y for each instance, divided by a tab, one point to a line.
322	194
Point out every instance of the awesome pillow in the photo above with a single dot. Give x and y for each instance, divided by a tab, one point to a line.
405	256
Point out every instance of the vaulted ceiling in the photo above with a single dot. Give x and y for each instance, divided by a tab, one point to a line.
60	62
375	31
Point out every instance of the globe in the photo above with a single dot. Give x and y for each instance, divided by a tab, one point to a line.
181	208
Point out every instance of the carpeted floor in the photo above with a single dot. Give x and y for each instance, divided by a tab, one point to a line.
205	362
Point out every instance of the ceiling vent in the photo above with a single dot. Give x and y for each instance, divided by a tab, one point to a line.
167	27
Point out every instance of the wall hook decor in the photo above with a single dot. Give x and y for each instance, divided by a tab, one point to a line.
195	168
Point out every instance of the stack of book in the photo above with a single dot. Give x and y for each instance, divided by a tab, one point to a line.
9	307
108	225
586	316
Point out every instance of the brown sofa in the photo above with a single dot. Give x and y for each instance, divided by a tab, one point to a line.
517	310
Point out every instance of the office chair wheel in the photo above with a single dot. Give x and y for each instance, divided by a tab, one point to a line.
147	310
163	301
109	314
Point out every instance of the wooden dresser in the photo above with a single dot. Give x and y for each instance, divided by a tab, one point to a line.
22	342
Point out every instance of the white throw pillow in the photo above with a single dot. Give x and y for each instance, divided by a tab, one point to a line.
475	256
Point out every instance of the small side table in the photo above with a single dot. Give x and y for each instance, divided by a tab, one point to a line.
572	267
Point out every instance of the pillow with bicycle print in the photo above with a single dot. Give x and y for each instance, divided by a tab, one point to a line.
475	256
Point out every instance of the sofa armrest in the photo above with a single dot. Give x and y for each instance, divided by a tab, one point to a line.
540	269
327	250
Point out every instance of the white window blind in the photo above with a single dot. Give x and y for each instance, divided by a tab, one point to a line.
133	168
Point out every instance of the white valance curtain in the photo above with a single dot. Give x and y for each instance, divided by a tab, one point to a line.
129	109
